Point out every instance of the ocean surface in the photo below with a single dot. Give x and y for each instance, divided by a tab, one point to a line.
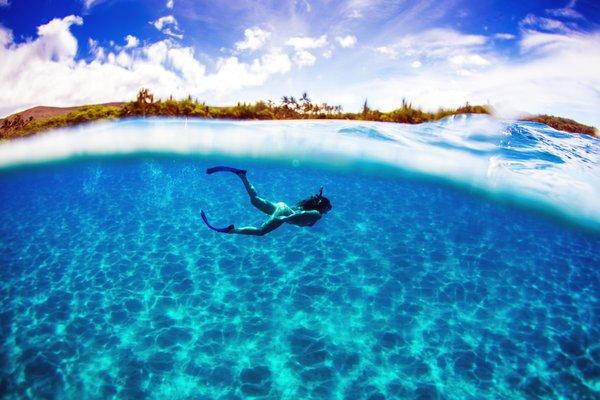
460	260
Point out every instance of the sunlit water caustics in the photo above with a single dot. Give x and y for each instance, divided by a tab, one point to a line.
432	277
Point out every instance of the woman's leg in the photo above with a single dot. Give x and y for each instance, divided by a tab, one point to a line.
270	225
263	205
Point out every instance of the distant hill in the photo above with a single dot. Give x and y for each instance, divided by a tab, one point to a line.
43	112
40	118
562	124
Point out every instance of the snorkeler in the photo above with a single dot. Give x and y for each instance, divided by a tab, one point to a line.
306	213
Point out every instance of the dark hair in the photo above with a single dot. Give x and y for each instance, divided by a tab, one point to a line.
317	202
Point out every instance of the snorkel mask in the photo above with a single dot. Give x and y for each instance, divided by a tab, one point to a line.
321	201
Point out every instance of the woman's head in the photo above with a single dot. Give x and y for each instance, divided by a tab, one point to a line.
317	202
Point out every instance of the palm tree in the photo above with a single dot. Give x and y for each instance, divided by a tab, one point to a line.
306	106
294	103
144	97
365	109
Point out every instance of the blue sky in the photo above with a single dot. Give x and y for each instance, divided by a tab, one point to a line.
519	56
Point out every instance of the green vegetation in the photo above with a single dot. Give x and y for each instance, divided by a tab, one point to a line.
410	115
289	108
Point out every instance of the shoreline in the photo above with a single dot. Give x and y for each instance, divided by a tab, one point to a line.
43	118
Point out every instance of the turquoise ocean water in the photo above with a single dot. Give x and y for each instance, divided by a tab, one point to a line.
460	260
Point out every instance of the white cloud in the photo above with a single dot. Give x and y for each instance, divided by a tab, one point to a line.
132	41
303	43
504	36
255	38
544	42
169	26
273	62
90	3
233	75
470	60
304	59
355	14
447	47
96	50
387	51
55	40
170	4
355	9
327	53
566	12
163	21
4	3
439	42
434	43
307	5
6	37
546	24
123	59
346	41
44	70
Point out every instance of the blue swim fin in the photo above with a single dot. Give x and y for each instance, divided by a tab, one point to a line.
223	168
222	230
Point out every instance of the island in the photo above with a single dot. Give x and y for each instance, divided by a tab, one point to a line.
42	118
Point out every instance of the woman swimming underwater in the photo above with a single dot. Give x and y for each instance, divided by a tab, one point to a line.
306	213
